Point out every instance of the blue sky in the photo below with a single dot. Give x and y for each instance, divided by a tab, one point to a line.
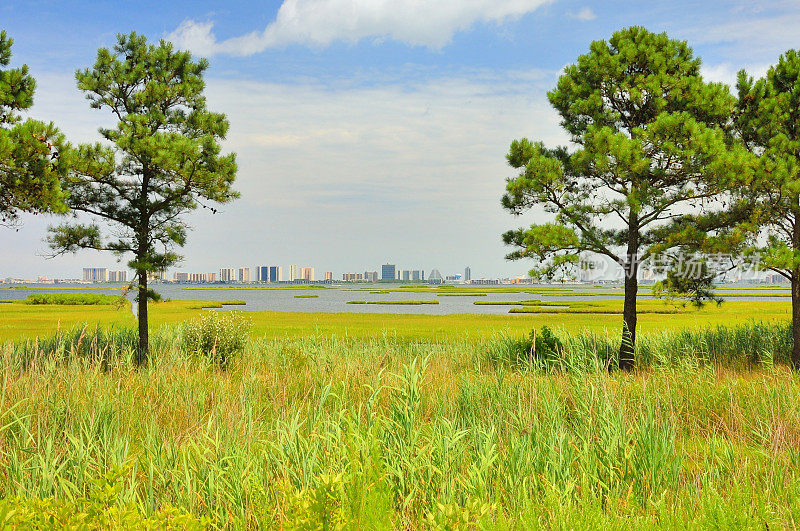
366	130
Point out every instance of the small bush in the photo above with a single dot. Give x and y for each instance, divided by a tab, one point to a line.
543	347
217	335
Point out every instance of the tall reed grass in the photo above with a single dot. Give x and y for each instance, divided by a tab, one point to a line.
326	432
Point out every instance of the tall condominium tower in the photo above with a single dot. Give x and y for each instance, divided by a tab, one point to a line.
95	274
388	272
275	273
227	274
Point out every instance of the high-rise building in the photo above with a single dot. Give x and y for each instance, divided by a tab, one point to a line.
118	276
294	273
179	276
406	275
467	274
328	275
388	272
95	274
417	275
371	276
227	274
244	274
269	274
197	277
275	274
211	277
307	273
435	277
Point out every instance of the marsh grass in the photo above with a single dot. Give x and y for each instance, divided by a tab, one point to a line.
397	303
375	433
74	299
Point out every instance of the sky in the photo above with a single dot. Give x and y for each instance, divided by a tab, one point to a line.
366	131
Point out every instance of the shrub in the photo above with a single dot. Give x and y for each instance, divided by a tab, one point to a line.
541	347
216	335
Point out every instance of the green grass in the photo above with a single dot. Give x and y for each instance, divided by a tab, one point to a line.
18	320
207	305
306	296
74	299
380	432
396	303
597	307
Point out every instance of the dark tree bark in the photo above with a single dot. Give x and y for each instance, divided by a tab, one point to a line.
628	346
144	339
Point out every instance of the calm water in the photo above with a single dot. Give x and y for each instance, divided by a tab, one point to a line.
335	299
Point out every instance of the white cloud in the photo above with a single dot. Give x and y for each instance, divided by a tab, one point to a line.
430	23
728	73
749	35
343	177
584	14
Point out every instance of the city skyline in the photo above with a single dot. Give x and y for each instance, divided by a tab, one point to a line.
246	274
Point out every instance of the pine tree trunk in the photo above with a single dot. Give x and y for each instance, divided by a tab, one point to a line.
628	346
796	320
144	340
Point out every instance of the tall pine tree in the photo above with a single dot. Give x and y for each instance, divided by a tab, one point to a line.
650	144
160	161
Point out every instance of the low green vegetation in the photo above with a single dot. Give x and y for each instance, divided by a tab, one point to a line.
217	337
74	299
397	303
596	307
476	294
207	305
383	432
306	296
19	320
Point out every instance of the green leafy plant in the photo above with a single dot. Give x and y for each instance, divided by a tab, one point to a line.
541	347
217	335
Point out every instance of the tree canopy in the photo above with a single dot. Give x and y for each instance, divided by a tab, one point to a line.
33	155
161	160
